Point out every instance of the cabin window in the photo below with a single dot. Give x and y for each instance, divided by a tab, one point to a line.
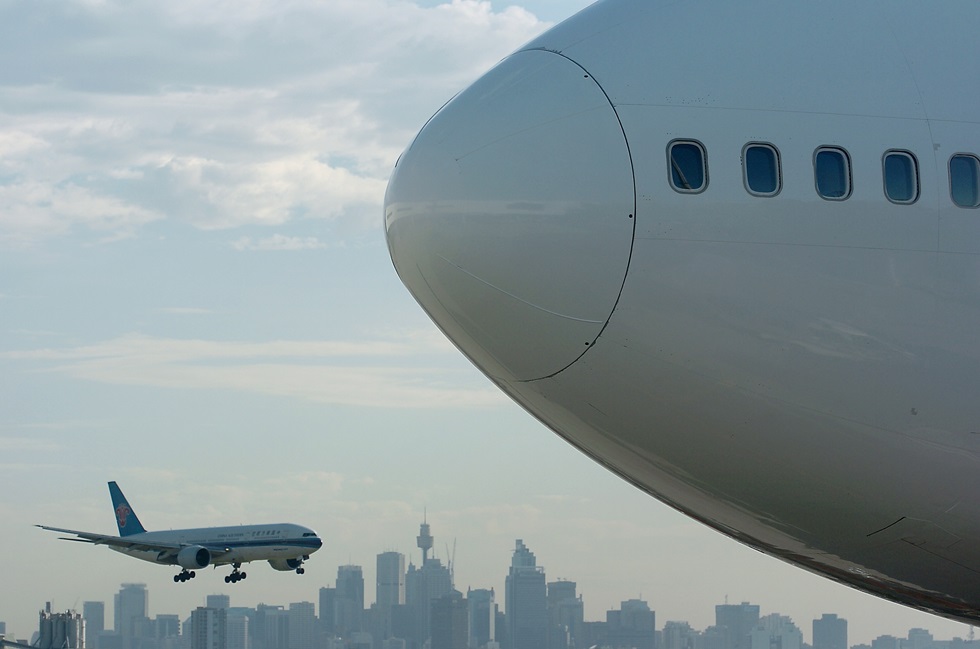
901	172
760	165
832	172
964	180
688	166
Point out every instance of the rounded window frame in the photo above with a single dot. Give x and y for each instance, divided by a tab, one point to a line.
704	165
850	172
779	169
915	172
949	173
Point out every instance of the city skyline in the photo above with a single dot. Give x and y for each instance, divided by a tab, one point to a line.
196	299
132	598
745	625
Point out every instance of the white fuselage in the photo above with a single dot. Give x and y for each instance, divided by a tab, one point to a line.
797	372
244	543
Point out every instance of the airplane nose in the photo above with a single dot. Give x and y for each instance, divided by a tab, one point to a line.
510	217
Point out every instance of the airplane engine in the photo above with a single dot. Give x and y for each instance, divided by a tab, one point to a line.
193	557
285	564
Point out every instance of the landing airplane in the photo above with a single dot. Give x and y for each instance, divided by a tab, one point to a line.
731	251
285	545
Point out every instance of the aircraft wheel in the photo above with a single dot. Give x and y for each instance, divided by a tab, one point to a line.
227	579
193	574
244	575
176	578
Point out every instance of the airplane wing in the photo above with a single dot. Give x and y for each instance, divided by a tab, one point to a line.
130	542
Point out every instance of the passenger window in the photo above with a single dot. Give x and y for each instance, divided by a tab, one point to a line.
832	171
760	164
688	166
964	180
901	172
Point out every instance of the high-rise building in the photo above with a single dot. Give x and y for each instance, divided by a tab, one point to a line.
830	632
130	613
238	628
679	635
919	639
482	612
633	625
783	633
302	625
739	620
328	614
217	601
390	587
526	601
566	614
60	630
271	627
209	628
349	603
94	614
450	622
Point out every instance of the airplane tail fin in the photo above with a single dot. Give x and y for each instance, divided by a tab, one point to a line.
125	516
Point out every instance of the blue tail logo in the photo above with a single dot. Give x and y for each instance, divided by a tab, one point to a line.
125	516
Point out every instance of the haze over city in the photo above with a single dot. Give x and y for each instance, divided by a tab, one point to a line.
196	300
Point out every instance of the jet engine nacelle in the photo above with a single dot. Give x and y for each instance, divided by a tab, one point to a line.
285	564
193	557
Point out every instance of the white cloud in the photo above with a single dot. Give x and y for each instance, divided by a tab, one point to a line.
278	242
221	114
359	373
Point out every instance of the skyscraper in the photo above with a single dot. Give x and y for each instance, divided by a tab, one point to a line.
390	587
94	614
349	603
738	620
302	625
633	625
526	601
130	608
450	622
217	601
60	630
209	628
482	612
566	614
328	619
830	632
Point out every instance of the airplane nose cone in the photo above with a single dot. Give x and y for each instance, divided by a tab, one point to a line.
510	217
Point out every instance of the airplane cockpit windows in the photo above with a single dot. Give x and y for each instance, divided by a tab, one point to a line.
964	180
901	173
832	173
688	166
760	165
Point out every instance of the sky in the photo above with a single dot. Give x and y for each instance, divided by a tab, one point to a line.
196	301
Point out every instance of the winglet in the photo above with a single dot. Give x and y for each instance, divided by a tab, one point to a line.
125	516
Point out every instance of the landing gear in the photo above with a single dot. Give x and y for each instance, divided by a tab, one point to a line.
235	575
184	576
300	571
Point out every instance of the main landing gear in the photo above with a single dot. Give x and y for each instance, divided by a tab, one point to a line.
184	576
235	575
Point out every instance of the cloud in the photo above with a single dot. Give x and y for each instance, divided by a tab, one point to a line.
185	310
28	444
278	242
220	114
357	373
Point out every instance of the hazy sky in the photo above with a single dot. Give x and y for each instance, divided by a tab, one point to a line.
196	301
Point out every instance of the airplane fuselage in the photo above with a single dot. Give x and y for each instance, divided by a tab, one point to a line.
231	545
792	360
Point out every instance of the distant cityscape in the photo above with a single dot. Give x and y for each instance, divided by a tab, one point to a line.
418	607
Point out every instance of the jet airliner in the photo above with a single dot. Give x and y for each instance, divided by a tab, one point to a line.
284	545
731	251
